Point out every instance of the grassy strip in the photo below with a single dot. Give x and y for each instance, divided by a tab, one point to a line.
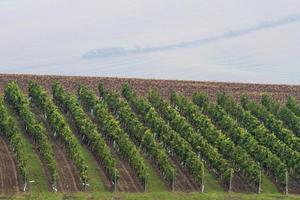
154	182
95	182
35	168
36	172
155	196
268	186
211	183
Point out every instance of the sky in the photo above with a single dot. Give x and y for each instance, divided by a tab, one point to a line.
253	41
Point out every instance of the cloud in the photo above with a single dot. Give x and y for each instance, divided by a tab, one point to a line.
121	51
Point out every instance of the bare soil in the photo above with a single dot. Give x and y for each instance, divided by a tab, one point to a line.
294	186
9	179
279	92
128	180
184	179
240	185
68	176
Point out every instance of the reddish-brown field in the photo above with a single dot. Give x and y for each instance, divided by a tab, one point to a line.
279	92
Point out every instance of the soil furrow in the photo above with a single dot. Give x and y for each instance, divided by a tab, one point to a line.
9	177
65	173
128	182
12	167
240	185
294	186
1	178
184	180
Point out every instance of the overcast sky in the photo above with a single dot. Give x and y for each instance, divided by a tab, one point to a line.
232	40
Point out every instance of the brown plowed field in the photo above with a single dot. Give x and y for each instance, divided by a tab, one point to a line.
9	180
280	92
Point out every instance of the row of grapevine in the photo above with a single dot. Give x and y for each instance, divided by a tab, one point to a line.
112	130
203	125
271	123
87	130
241	137
59	127
15	96
283	113
142	136
10	130
171	140
198	142
261	134
293	105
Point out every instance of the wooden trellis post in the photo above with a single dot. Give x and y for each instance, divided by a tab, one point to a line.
25	184
286	182
115	181
145	183
202	180
173	181
54	188
259	183
230	182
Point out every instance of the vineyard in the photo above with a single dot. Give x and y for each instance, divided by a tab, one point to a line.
80	136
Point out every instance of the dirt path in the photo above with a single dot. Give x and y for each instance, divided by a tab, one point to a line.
239	184
294	186
128	180
184	180
68	179
9	182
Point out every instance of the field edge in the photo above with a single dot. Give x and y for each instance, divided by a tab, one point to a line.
150	196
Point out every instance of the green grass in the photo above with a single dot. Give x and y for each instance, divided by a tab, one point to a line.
96	184
154	184
95	179
267	186
36	173
211	184
154	196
